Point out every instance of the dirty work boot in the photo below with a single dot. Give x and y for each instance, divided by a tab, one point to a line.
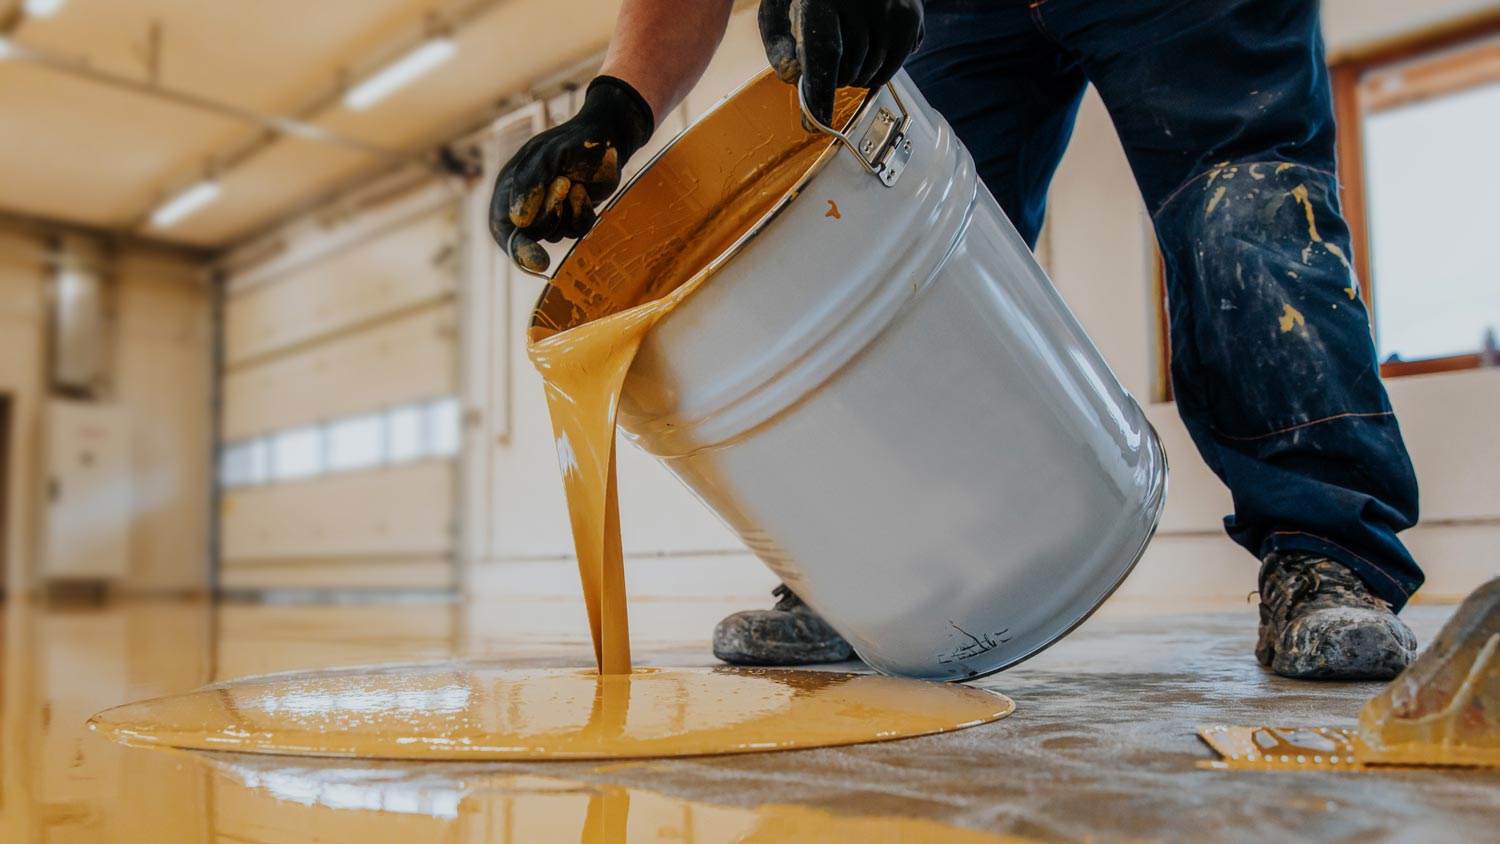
790	634
1318	621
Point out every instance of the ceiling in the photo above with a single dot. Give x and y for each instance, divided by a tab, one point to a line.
75	150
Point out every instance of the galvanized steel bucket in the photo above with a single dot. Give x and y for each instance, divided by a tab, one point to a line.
882	394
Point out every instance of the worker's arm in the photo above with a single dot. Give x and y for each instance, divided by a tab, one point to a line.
662	47
548	190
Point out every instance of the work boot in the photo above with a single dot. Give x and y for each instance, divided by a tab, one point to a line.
789	634
1318	621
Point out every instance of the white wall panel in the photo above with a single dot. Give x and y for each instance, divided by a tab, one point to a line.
393	270
403	511
163	371
406	359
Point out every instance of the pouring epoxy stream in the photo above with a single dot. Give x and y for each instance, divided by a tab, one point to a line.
1225	113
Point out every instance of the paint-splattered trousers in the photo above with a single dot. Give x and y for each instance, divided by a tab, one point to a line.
1225	112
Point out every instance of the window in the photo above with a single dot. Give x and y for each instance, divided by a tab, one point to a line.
357	443
430	429
1417	122
404	433
244	464
297	454
1432	222
443	427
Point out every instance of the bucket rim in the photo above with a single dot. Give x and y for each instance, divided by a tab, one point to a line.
738	245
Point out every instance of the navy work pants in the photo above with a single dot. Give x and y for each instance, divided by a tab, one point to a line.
1225	112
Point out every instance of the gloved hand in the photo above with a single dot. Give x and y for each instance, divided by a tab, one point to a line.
838	43
548	190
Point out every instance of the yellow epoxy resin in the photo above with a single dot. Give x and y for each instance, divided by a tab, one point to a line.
480	711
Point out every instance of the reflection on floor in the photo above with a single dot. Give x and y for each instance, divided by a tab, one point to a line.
1101	747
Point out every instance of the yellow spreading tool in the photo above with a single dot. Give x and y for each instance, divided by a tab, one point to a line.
1444	710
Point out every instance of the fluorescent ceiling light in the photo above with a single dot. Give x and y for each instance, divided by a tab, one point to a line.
183	204
426	56
42	8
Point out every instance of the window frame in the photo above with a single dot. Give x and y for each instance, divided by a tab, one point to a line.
1346	71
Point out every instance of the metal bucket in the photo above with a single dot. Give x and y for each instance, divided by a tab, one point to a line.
878	389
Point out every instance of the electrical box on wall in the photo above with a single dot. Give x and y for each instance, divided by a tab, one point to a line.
90	500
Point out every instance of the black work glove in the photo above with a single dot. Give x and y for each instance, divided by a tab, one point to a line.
548	189
838	43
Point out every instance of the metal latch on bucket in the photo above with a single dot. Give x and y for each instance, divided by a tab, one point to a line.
885	147
885	150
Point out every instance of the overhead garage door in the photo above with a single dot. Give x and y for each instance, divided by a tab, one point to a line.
341	425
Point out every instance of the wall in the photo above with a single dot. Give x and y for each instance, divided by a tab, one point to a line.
162	374
21	337
1099	252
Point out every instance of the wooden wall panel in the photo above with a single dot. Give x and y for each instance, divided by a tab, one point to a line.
406	359
349	317
401	512
394	271
341	575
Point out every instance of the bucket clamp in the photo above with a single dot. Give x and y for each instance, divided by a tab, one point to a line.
885	149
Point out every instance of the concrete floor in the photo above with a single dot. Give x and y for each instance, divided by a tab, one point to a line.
1101	747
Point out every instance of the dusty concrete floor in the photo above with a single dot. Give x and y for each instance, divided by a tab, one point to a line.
1101	747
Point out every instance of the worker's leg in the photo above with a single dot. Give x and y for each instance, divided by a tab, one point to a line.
1225	112
1011	97
1008	92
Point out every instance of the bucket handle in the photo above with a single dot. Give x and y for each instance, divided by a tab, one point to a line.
885	149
